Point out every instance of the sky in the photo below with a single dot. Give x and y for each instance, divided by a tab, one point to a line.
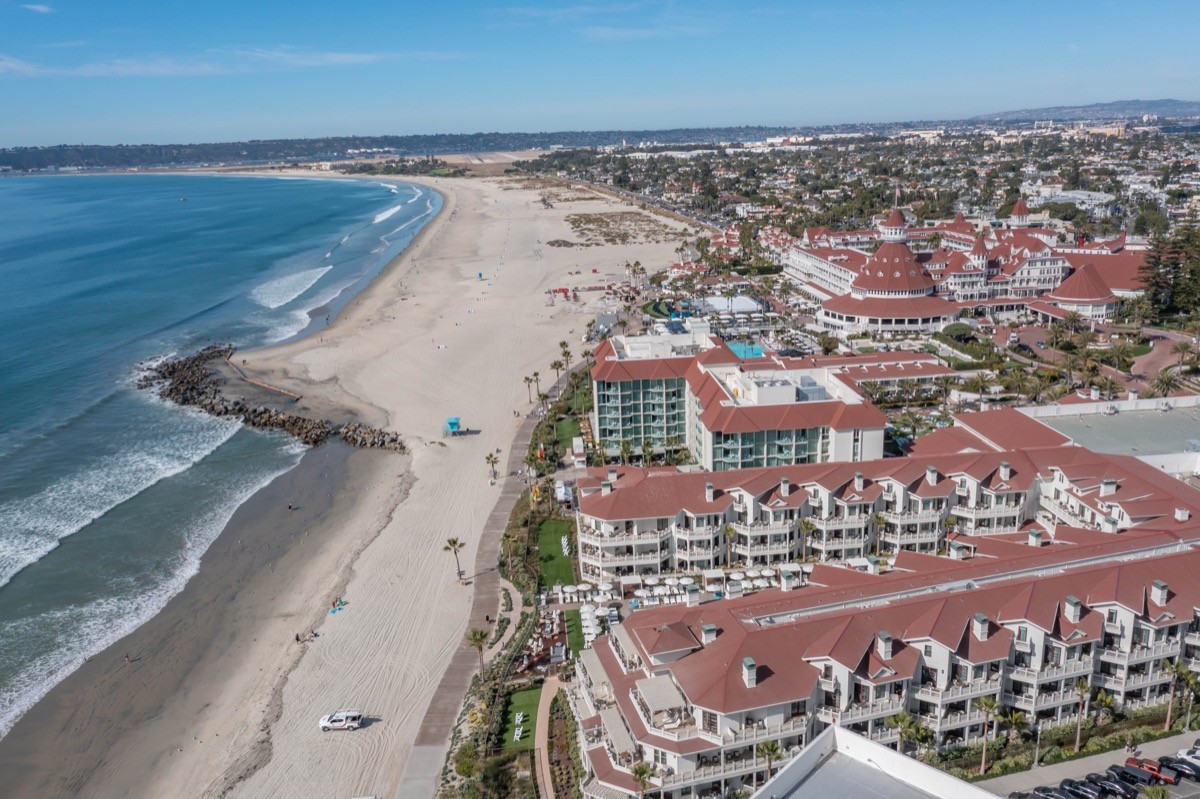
133	72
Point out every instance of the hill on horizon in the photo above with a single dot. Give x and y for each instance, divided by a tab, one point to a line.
1117	109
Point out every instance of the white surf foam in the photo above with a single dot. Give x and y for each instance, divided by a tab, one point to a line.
395	209
283	290
416	196
82	631
33	526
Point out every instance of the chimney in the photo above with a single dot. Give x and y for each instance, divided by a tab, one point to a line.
1073	609
708	633
1182	514
692	595
983	404
1108	486
1035	538
858	481
785	487
612	474
872	564
1133	395
1158	592
708	492
1005	470
931	475
979	627
605	488
883	645
1094	394
749	672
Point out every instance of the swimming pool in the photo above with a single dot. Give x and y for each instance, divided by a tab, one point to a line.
746	350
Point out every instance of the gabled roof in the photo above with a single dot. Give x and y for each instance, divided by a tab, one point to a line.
1084	286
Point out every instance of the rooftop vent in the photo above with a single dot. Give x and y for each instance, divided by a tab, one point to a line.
612	474
785	487
883	645
605	488
1108	487
1073	609
858	481
708	492
749	672
1182	514
1158	592
1035	538
931	475
708	633
1005	470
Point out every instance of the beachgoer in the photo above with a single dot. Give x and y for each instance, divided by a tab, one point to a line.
297	637
127	661
289	507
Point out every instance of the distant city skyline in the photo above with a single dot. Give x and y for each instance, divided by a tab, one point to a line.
136	72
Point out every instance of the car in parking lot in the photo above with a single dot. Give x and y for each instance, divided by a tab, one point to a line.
1191	754
1041	345
1182	767
1113	787
1136	777
1081	789
1167	775
1045	792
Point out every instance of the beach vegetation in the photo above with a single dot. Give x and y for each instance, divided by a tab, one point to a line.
454	546
478	640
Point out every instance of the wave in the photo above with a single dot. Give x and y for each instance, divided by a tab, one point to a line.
416	196
84	630
283	290
32	527
382	215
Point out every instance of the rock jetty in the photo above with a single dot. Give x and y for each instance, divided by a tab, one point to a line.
192	381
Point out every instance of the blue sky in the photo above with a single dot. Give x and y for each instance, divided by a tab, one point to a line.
126	71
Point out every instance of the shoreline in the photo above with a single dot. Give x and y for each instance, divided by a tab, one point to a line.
424	339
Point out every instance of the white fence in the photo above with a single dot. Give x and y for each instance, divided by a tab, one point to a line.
1107	407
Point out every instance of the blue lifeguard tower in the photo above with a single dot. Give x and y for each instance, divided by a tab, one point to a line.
452	427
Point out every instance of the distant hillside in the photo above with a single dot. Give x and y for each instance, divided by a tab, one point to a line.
145	155
1120	109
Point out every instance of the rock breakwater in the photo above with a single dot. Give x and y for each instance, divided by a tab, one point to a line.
193	382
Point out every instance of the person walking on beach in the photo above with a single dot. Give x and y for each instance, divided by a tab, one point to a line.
127	661
290	508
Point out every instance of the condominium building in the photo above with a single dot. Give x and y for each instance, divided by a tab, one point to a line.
693	688
691	390
652	521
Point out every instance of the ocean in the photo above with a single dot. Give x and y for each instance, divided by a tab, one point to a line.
109	496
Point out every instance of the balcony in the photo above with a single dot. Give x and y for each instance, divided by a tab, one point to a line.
917	537
763	528
1040	700
827	683
952	720
913	516
612	558
841	522
704	533
1192	637
797	724
1065	515
751	550
869	710
1130	681
967	690
731	767
1141	654
597	538
987	511
1047	672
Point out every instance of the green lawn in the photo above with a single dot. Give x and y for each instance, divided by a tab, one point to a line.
565	431
574	631
556	567
521	702
1140	350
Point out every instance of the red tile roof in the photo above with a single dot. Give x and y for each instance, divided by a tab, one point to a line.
1084	286
891	308
1009	429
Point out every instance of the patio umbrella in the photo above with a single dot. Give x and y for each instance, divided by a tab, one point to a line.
588	609
672	581
761	583
660	590
712	587
585	587
736	576
686	580
605	586
569	589
651	581
642	592
752	573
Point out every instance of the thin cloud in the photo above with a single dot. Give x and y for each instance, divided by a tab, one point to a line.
62	45
37	8
15	66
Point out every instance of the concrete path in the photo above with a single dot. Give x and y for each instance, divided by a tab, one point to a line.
1077	769
513	616
424	766
541	737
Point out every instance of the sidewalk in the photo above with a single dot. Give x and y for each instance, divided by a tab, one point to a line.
1076	769
541	737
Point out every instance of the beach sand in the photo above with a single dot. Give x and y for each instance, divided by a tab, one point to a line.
426	340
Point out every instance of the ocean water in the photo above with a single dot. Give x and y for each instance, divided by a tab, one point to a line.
108	496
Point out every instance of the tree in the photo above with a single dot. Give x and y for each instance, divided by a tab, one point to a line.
1166	382
557	366
537	381
806	528
641	772
979	384
879	521
1179	671
454	546
1184	350
647	451
1108	386
491	460
626	451
827	343
529	387
770	751
989	705
910	729
1015	720
1083	692
945	384
478	639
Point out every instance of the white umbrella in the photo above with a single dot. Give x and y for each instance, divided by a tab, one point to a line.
605	586
752	573
588	609
585	587
569	589
642	592
713	587
660	590
736	576
761	583
686	580
651	581
672	581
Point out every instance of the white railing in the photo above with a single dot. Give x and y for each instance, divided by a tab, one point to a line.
840	522
966	690
912	516
596	538
1080	666
919	537
755	733
730	767
691	533
986	511
882	707
951	720
612	557
763	528
1142	653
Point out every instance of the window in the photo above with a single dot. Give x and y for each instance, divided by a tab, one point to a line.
928	650
1112	616
1022	633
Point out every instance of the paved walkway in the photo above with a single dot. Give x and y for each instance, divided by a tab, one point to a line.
1075	769
513	616
541	737
424	767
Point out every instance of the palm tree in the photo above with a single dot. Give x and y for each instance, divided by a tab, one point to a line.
1121	355
1191	683
543	398
1015	720
1108	386
770	751
989	705
566	352
491	460
909	727
1083	692
454	546
478	639
1156	792
626	452
879	521
1184	350
945	384
1070	365
537	381
1178	671
557	366
908	390
529	387
641	772
1104	702
806	528
1074	321
1166	382
647	451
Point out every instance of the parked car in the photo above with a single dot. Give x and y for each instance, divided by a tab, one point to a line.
1019	795
1191	755
1151	766
1133	776
1182	767
1041	345
341	720
1046	792
1081	789
1114	786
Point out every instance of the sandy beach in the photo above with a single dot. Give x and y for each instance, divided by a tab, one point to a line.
235	712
